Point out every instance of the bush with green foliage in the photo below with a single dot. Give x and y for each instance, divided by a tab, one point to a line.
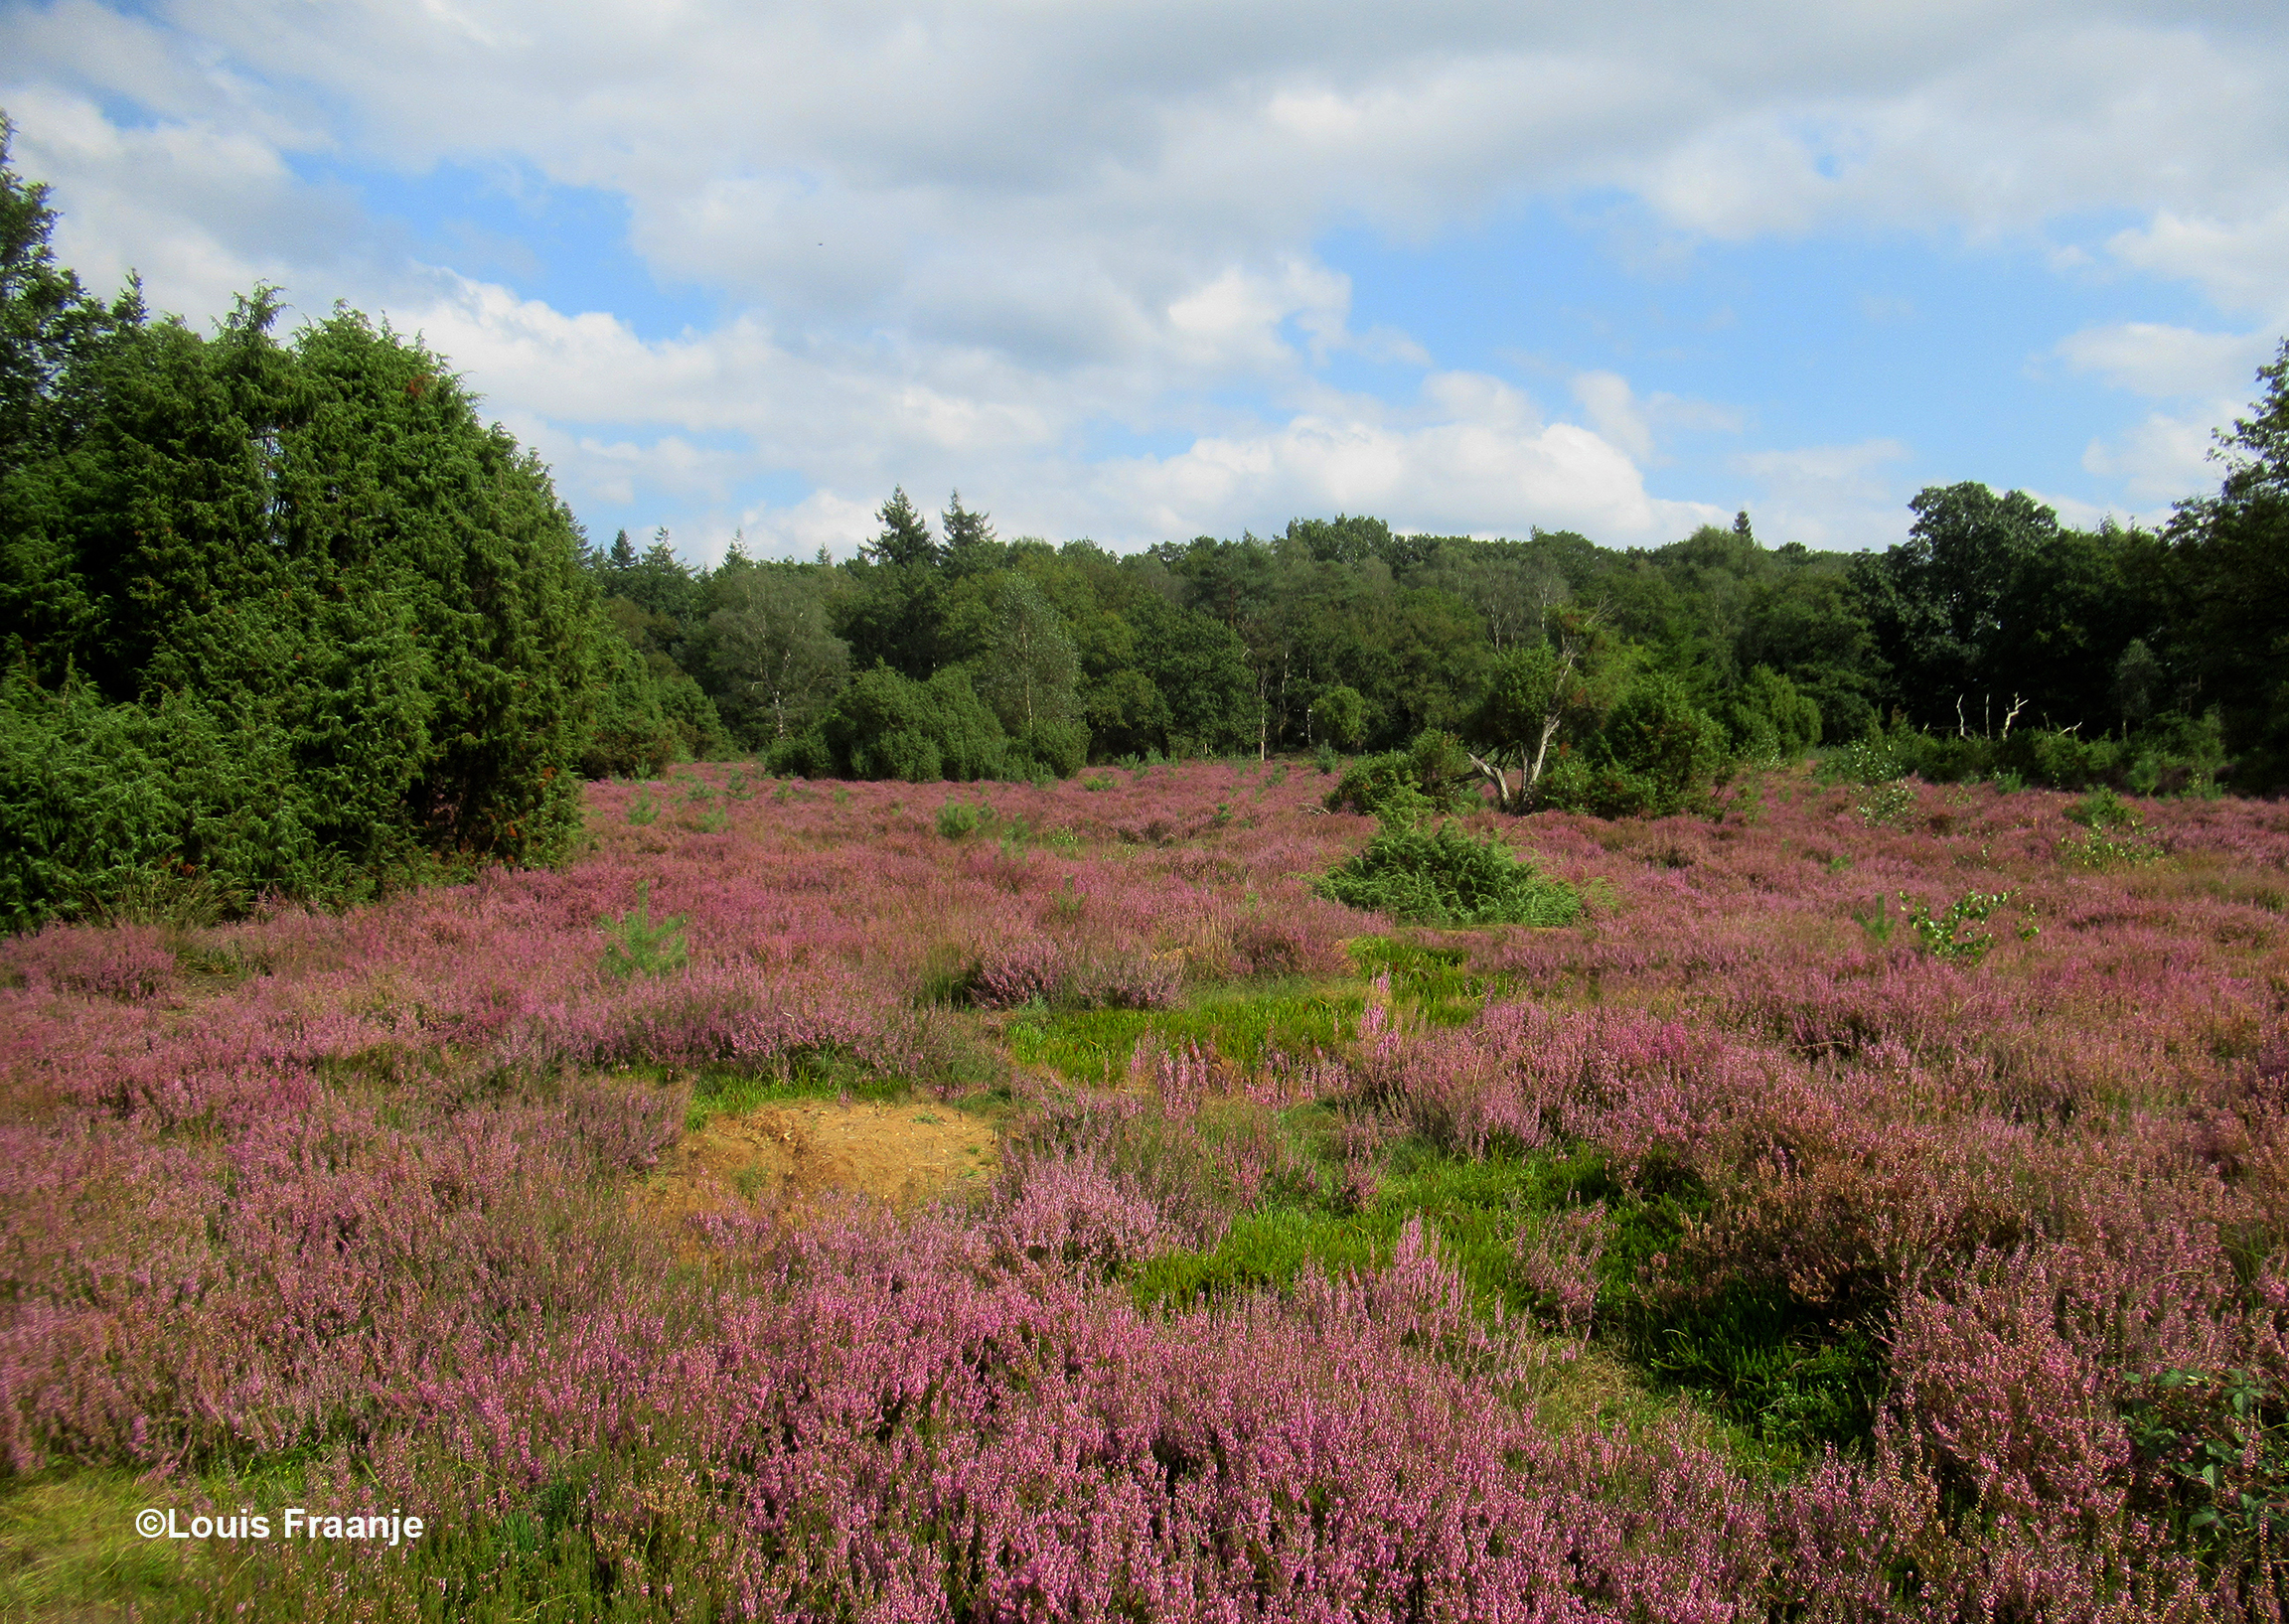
1659	754
1430	775
307	613
1048	749
886	725
2173	755
2211	1454
1956	935
86	800
957	819
634	946
1445	877
1868	760
1339	716
1768	720
631	734
2117	836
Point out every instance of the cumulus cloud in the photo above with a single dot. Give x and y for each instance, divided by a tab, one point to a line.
202	210
2236	255
1473	457
2162	458
1835	497
960	242
2158	359
1616	411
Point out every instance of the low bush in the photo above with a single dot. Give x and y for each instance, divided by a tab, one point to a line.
888	726
1048	749
958	818
1769	720
1870	760
1401	786
634	946
1445	877
1659	754
2175	755
1956	934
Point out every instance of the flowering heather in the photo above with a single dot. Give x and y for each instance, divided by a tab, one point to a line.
1922	1286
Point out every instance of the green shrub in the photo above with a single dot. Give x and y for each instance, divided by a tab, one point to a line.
180	796
1053	749
1769	720
326	619
629	735
1956	935
1432	775
1342	715
1886	805
1659	754
1445	877
2117	836
2173	755
634	946
888	726
905	753
2210	1453
1870	760
2102	811
800	755
690	714
958	818
648	714
85	809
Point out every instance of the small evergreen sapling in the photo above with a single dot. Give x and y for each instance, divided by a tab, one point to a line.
634	946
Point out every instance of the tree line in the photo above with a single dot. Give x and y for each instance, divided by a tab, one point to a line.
1998	638
284	615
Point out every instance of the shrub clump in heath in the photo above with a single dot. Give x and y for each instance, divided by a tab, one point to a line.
1445	877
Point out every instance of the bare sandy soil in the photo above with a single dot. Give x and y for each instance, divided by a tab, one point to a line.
784	1156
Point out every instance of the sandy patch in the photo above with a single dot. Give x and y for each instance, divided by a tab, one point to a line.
783	1155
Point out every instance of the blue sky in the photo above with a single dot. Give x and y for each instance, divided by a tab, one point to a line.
1136	271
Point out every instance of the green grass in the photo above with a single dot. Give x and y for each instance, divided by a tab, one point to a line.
1476	1208
1436	982
1093	1046
819	1075
69	1549
1249	1025
1264	1249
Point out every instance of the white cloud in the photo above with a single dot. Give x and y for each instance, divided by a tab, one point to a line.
148	199
1233	323
1472	458
953	241
1471	455
843	158
2237	259
2157	359
1613	412
1828	498
2163	459
820	520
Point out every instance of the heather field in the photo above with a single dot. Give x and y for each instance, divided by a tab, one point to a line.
872	1201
